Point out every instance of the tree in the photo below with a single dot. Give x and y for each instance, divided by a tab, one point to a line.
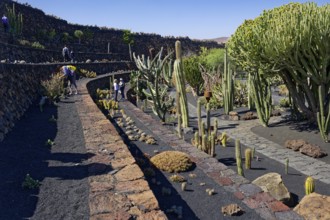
79	34
293	42
129	40
192	73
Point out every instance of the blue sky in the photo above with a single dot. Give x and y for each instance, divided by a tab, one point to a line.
197	19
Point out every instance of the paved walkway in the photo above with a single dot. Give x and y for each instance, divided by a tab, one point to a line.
242	130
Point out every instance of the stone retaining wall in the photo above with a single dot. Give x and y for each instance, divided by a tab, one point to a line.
118	189
21	84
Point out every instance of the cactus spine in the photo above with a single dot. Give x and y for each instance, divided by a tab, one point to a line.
287	166
240	170
309	185
248	156
180	84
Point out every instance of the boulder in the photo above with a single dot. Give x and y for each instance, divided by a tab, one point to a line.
273	183
249	116
294	144
314	206
312	151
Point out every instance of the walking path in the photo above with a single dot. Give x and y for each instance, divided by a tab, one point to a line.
242	130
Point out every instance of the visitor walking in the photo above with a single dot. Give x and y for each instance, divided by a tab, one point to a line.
72	56
65	53
116	88
122	87
69	72
5	23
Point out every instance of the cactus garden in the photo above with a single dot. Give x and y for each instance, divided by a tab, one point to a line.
234	130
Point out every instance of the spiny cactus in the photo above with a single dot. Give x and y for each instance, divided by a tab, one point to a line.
309	185
239	164
196	139
212	144
204	143
16	21
248	156
224	138
208	118
180	84
179	126
215	127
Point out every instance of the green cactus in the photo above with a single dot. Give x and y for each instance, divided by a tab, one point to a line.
309	185
212	144
157	93
16	21
224	138
204	143
180	84
251	105
199	115
208	118
287	166
196	139
262	96
239	164
203	128
322	116
248	157
215	127
228	86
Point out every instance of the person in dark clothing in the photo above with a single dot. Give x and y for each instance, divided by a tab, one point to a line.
65	53
5	23
69	72
122	88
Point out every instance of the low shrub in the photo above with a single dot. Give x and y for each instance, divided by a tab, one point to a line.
172	161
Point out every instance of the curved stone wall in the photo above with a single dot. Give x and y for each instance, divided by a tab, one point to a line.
20	86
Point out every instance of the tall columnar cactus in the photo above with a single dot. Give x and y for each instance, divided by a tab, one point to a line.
196	139
309	185
262	96
157	93
239	164
212	144
227	86
204	143
203	128
215	127
180	84
199	117
248	157
286	165
250	94
208	118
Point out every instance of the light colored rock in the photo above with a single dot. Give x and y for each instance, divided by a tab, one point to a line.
145	200
273	183
314	207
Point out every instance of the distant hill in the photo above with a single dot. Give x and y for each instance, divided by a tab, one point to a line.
220	40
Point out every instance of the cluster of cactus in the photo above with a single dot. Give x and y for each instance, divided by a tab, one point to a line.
102	93
262	96
16	20
177	178
205	139
223	138
309	185
87	73
172	161
108	104
150	72
228	86
180	85
238	154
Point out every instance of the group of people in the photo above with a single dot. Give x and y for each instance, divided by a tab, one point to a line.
119	87
5	23
69	73
68	55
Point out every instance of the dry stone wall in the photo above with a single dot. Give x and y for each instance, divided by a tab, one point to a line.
20	86
37	27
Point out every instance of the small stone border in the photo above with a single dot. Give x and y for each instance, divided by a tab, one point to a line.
118	189
253	196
